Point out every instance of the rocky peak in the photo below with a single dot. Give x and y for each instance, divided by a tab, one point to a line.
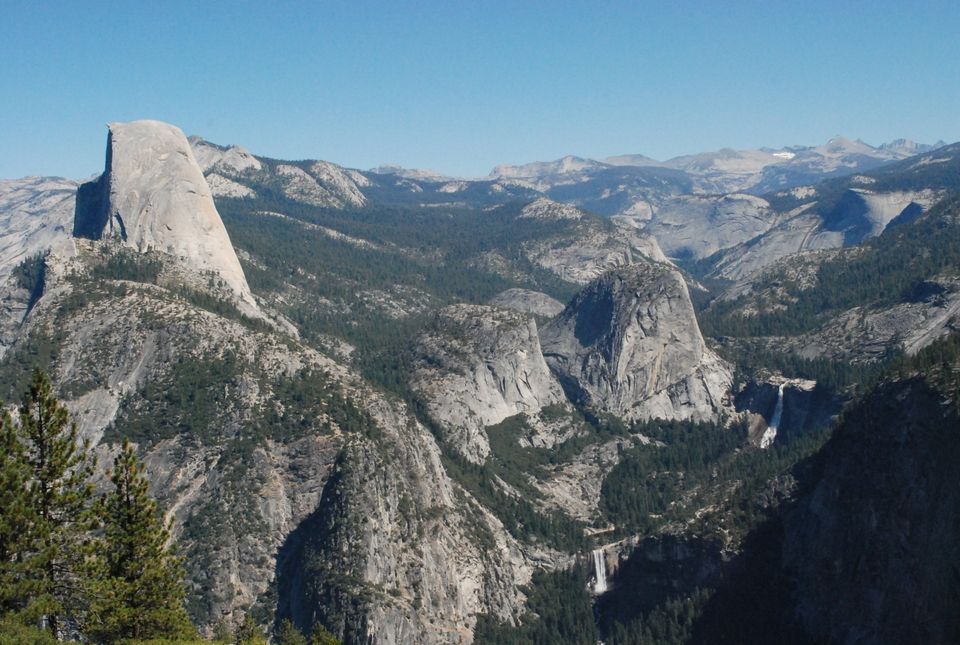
152	196
228	159
629	344
908	148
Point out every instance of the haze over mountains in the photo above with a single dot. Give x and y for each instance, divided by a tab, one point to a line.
739	170
571	401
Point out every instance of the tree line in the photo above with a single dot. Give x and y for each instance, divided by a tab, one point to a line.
74	563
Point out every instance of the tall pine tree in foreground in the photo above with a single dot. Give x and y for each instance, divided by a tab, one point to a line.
137	589
15	516
68	561
59	496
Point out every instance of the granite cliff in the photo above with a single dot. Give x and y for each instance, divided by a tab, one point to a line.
152	196
628	344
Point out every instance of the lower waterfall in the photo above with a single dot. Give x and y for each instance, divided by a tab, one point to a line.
600	572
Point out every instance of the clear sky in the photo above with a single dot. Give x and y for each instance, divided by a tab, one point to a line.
459	86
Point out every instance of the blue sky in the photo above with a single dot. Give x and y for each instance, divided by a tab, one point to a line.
460	86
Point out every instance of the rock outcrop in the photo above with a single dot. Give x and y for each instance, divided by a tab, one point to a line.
268	436
233	172
228	159
855	216
593	251
395	552
152	196
629	344
872	332
478	366
547	209
528	302
578	246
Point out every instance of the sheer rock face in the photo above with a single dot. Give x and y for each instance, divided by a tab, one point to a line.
629	344
392	555
478	366
152	195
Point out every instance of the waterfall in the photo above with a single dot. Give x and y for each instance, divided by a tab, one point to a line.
771	432
600	572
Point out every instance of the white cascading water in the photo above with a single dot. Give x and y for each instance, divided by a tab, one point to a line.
600	572
771	432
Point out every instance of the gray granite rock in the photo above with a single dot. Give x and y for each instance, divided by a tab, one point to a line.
629	344
152	196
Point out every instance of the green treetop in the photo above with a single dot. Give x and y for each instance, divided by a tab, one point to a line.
15	515
59	494
138	591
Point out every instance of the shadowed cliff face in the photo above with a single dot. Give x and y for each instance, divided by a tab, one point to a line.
869	550
93	201
875	548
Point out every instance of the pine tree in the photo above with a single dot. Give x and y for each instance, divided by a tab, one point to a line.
137	584
322	636
59	494
288	634
15	515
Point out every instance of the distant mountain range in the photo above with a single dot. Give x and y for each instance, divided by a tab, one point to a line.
727	170
632	185
742	209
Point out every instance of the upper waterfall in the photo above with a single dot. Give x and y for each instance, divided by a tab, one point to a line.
771	432
600	572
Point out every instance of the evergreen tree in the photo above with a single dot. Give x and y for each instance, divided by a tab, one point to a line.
14	632
137	590
288	634
59	494
15	515
322	636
